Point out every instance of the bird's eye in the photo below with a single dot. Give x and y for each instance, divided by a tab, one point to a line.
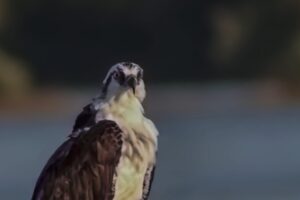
116	75
119	76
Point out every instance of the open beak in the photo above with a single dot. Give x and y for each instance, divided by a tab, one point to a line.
131	82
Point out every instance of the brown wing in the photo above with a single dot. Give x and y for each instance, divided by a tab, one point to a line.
85	119
83	168
148	179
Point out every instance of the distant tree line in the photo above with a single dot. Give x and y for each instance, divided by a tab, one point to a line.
74	42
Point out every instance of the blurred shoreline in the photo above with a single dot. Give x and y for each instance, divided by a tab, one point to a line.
190	98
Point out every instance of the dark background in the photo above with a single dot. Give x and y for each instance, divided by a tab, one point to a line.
74	42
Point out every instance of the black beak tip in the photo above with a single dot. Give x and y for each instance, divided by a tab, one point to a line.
131	82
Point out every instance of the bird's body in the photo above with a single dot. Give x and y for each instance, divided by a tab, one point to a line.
111	153
139	144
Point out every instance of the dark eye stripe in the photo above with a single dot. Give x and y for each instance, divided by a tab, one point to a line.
121	77
140	75
104	89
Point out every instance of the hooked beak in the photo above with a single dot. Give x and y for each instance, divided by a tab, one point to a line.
131	82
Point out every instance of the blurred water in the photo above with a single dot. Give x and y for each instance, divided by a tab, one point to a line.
232	156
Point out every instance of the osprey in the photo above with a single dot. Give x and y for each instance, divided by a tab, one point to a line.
111	152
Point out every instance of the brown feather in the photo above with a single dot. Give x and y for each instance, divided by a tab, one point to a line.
148	180
83	167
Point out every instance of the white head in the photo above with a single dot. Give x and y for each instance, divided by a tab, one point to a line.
124	77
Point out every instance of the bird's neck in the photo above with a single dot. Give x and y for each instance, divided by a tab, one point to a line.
127	111
123	108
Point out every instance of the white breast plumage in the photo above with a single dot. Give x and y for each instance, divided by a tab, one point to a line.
139	145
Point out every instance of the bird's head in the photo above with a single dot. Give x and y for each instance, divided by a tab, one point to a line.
124	77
